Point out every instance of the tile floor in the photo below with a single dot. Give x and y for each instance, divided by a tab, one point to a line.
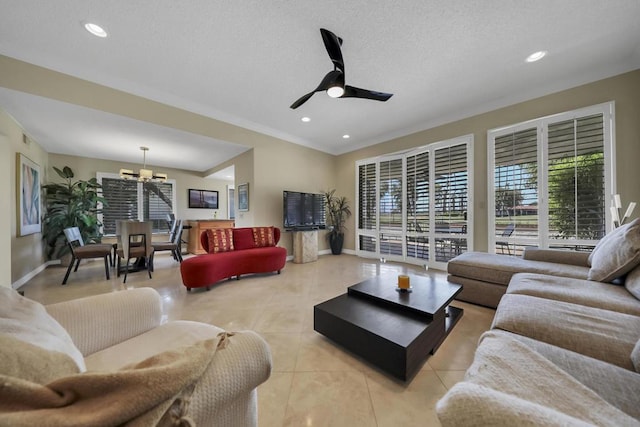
314	382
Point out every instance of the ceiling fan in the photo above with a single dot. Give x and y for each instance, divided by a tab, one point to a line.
333	82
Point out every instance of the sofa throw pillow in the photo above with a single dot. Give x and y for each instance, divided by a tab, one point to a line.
263	237
617	253
220	240
28	321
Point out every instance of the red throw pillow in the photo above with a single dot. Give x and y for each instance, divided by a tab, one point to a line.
220	240
263	236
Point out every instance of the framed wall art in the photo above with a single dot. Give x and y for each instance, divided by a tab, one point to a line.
243	197
203	199
28	192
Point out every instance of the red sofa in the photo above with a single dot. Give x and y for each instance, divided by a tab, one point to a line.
235	251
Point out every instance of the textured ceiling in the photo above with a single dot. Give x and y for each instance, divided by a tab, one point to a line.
245	62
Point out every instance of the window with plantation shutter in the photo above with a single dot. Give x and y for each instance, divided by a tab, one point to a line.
576	179
133	200
415	206
451	201
157	202
515	189
552	178
367	206
122	202
417	202
390	206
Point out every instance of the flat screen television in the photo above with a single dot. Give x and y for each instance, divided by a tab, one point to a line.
303	211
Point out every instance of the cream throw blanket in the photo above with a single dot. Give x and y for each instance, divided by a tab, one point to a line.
154	392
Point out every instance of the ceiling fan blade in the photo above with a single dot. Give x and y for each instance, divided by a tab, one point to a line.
327	80
332	43
302	100
356	92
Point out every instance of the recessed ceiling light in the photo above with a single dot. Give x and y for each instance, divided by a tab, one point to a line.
95	29
305	119
536	56
346	136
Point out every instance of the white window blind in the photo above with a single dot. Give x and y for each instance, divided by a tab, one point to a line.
418	193
515	192
413	190
576	179
157	202
133	200
367	206
390	206
122	202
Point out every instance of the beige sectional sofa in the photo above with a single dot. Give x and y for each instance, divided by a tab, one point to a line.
562	350
485	277
111	359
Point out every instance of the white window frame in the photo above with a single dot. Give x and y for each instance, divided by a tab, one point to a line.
541	124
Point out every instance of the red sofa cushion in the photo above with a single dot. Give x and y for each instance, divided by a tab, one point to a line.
219	240
243	238
263	237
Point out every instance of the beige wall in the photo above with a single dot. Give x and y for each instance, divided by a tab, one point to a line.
623	89
27	252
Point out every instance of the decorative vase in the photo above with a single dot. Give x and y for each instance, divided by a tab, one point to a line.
336	241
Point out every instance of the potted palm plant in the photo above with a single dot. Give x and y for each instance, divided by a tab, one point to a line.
70	204
338	212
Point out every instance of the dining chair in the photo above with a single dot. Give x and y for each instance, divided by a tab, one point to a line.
134	242
174	244
81	251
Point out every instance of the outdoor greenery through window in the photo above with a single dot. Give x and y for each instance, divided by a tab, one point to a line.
552	180
133	200
416	206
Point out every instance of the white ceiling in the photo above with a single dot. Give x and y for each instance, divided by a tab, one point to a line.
245	62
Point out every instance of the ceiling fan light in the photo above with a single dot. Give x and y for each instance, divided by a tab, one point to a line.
160	177
146	174
335	91
95	29
126	174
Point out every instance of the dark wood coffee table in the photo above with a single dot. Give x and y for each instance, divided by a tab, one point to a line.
393	330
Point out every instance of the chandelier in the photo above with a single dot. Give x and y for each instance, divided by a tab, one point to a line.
144	174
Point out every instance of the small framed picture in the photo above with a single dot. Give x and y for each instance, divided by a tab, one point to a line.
243	197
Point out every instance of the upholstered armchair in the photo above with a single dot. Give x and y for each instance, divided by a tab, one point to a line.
120	343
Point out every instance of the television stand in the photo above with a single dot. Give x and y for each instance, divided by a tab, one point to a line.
305	246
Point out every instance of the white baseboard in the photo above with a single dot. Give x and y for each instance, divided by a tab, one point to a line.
24	279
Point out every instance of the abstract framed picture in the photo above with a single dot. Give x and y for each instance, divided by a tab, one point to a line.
243	197
28	192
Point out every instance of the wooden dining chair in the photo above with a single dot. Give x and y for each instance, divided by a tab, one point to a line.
81	251
134	242
174	244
